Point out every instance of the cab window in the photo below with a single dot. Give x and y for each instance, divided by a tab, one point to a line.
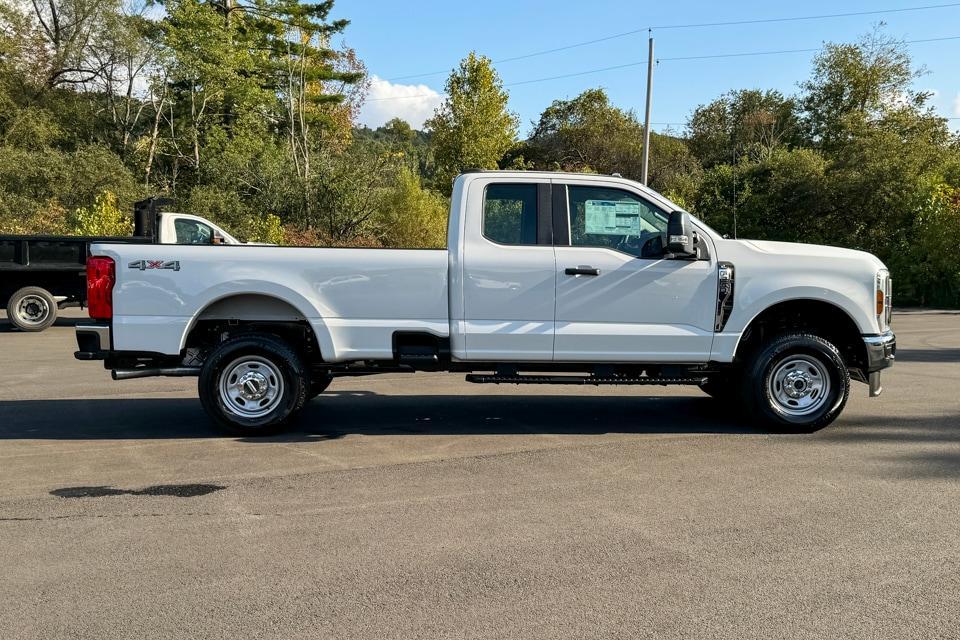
510	213
192	232
616	219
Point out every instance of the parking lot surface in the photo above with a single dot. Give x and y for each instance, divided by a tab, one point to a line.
419	506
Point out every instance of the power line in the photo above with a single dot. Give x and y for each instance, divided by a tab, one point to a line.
693	26
781	51
670	59
799	18
576	73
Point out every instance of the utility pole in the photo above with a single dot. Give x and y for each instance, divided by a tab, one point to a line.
646	120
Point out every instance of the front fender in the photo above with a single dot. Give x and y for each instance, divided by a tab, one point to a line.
751	303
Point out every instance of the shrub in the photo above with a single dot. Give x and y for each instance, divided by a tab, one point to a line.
104	218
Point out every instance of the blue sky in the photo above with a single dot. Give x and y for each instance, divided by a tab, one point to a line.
397	40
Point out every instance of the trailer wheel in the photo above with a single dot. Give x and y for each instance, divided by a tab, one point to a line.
32	309
253	385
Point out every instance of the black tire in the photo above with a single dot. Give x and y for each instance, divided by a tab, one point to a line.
319	383
32	309
796	384
271	367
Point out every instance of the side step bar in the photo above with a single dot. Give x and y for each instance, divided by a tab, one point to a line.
479	378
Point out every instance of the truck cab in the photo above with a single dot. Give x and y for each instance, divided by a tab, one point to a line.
548	278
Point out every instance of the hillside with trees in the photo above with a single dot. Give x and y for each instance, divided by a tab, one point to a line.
246	112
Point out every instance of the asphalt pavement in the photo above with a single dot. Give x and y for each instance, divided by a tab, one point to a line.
420	506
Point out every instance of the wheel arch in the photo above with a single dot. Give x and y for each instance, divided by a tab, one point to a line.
253	306
814	315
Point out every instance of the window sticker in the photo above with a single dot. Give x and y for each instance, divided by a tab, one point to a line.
612	217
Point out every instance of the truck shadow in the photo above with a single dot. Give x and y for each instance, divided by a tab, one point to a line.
898	447
905	447
339	413
7	327
928	355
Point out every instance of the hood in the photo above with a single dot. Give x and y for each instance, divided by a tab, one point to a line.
813	251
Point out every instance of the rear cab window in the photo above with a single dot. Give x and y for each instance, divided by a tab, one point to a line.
510	213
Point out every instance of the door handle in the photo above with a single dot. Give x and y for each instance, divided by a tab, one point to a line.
582	270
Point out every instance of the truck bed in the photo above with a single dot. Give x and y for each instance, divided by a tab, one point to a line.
354	299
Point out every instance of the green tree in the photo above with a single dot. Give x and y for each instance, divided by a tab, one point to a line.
104	218
875	169
586	133
853	84
240	77
589	134
411	216
473	127
749	123
398	136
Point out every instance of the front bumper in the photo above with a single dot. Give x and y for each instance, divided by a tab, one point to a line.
881	352
93	341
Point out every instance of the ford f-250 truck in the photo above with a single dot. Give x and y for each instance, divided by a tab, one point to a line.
549	278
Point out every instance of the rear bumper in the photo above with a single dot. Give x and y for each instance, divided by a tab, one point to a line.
93	341
881	351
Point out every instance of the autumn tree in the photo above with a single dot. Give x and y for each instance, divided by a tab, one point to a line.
473	128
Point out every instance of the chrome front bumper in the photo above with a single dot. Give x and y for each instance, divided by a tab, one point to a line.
881	353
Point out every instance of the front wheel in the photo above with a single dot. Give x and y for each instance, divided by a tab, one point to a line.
798	383
32	309
253	385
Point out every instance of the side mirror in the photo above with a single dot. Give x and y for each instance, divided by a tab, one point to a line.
680	238
217	238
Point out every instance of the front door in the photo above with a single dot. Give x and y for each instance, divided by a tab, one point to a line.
618	299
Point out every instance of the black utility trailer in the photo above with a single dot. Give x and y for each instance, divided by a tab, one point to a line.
41	274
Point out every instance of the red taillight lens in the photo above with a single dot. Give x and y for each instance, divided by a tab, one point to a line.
101	276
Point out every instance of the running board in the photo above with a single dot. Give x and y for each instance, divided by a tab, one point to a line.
595	380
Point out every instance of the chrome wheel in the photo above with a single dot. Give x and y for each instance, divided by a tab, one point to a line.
33	310
799	385
251	387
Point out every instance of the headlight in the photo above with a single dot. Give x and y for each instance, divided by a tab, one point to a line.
884	299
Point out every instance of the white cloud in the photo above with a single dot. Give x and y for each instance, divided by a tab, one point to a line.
412	102
956	105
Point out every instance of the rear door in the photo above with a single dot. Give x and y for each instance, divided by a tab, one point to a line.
509	271
618	299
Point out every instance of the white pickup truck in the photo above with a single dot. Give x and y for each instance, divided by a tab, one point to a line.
548	278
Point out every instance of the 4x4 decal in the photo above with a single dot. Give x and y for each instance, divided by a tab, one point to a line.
143	265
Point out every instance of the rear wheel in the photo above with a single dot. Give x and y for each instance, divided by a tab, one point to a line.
798	383
32	309
253	385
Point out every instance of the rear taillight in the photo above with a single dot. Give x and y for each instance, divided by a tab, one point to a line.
101	276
